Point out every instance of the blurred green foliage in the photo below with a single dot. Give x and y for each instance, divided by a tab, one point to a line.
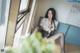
33	44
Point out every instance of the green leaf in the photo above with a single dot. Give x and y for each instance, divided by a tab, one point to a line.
33	44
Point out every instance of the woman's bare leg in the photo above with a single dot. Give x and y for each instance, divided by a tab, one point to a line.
61	36
55	37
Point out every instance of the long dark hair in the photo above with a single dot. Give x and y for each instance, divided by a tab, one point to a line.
53	14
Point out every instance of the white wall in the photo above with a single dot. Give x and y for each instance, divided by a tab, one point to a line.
74	15
62	8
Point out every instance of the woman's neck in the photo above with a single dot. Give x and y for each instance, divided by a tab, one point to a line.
49	19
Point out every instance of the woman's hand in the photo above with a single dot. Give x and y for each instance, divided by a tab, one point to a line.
36	29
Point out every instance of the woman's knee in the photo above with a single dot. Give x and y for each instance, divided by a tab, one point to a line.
61	34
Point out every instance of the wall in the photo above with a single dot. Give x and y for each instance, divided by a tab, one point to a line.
62	8
73	17
72	33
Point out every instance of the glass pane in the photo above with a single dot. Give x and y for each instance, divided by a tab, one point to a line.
4	11
23	10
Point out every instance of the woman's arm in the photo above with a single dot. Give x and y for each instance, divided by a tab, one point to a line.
38	28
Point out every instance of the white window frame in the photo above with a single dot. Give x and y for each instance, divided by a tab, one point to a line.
31	14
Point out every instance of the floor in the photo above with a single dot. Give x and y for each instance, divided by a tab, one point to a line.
69	48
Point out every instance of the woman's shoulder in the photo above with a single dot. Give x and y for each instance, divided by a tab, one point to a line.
44	19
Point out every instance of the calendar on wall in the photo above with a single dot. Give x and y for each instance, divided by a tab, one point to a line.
73	17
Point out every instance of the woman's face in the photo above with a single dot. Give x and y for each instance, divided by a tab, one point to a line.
50	14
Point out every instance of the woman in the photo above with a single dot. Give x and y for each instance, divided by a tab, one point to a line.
48	25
